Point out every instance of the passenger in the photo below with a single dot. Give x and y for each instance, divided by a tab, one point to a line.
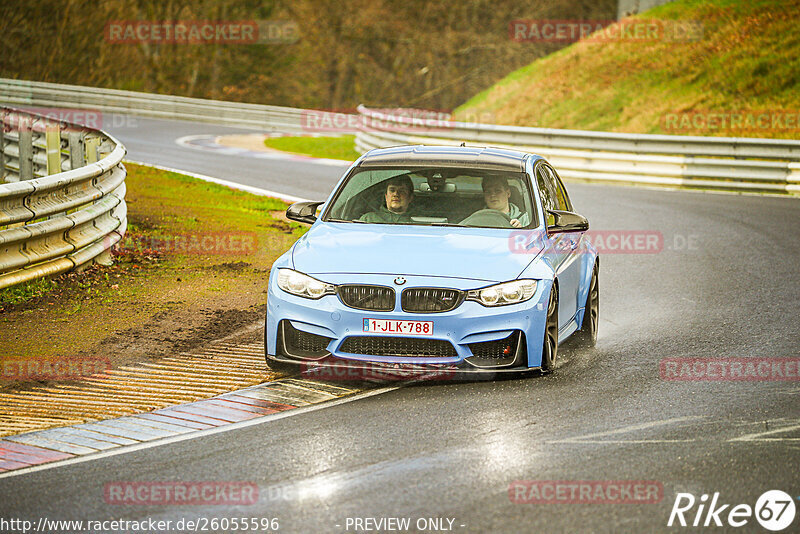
399	194
496	193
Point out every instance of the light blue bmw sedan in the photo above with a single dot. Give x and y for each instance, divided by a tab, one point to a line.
429	257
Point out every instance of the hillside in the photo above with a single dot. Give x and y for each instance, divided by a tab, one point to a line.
740	78
326	54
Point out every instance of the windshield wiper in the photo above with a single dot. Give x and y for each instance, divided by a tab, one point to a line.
445	224
347	221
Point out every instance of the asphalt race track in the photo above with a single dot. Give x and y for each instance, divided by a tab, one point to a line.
723	284
153	141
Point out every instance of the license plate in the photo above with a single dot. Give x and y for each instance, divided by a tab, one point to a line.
406	328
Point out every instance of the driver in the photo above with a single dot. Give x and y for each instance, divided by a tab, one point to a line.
399	194
496	193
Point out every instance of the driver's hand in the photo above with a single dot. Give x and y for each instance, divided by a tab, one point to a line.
515	223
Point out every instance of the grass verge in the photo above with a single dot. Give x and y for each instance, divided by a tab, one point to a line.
742	65
340	147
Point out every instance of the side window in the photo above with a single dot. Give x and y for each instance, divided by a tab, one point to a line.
564	194
562	199
546	192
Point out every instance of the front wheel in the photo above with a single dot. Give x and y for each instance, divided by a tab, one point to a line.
550	343
587	335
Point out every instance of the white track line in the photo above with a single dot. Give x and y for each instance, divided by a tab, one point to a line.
760	436
233	185
588	438
200	433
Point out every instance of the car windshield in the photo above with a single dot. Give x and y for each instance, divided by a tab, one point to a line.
434	197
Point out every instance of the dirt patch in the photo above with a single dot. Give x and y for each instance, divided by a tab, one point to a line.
158	299
253	142
279	215
232	266
174	331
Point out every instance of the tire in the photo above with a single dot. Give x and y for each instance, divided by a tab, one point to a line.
587	335
550	342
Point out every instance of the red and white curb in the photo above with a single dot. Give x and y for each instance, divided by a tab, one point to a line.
33	449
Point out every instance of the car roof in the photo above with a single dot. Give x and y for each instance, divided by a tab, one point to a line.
488	158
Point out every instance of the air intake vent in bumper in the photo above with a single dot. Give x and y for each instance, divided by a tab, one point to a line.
500	353
299	344
398	346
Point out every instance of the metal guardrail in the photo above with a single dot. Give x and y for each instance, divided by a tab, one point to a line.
275	118
726	163
62	196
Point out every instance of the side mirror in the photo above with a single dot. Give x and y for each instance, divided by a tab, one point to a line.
304	212
566	221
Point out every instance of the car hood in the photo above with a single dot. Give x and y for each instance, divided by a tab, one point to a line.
473	253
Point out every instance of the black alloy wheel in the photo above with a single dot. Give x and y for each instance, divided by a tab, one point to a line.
550	343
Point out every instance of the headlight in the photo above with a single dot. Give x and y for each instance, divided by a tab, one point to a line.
505	293
303	285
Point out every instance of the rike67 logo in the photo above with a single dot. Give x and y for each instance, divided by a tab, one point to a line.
774	510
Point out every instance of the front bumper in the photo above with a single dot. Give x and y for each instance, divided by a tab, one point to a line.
469	323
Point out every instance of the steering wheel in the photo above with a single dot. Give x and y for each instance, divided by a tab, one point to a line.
488	217
360	207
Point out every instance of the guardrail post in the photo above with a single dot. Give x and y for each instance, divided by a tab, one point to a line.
92	145
3	115
104	258
25	148
77	155
52	140
793	179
